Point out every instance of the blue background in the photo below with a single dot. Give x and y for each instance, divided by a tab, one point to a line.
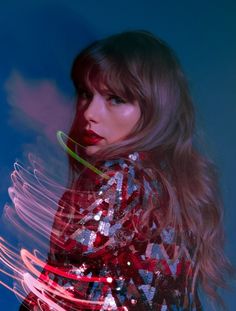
40	39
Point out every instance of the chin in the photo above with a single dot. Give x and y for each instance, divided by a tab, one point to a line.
90	150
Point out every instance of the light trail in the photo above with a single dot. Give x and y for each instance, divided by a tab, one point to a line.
35	198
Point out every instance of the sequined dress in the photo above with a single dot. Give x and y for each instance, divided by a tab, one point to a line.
96	234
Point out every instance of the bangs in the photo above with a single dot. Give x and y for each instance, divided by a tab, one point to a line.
105	76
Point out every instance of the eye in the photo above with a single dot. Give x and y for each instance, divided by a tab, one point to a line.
115	100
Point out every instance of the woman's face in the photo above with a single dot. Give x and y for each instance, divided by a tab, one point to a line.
106	114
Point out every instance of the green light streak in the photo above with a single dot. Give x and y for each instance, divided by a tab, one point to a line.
76	157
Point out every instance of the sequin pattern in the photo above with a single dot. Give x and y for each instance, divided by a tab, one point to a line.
97	228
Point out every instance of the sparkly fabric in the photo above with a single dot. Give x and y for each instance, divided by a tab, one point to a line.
96	233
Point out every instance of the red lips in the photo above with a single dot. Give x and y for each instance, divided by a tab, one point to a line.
91	138
91	133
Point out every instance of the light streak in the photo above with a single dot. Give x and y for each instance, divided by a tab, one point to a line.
76	156
35	198
39	285
26	255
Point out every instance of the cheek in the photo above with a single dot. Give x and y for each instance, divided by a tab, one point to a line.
124	121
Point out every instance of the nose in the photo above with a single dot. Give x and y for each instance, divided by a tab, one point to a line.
94	109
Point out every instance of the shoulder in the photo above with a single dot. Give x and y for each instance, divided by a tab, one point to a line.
121	183
126	175
133	171
129	165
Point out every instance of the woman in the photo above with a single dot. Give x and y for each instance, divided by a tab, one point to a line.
150	228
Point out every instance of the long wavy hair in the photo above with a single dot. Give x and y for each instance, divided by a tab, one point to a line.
136	65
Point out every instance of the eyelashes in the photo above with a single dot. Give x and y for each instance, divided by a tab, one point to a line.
116	100
83	94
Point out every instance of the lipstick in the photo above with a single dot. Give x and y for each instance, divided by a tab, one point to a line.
91	138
